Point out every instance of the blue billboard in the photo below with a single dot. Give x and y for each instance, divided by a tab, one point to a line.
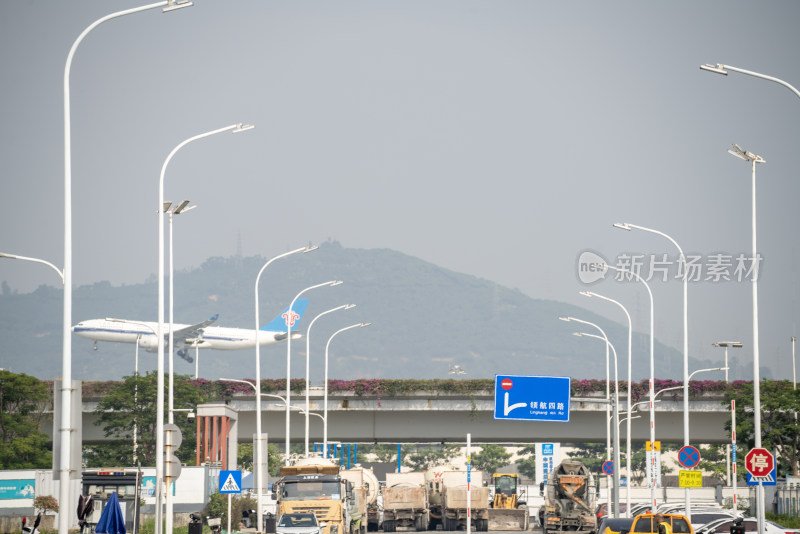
532	398
18	489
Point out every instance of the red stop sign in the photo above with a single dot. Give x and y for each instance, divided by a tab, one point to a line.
506	383
759	462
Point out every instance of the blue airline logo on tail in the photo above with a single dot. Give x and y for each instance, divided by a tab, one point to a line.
279	323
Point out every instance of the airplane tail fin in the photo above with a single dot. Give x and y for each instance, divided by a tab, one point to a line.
279	323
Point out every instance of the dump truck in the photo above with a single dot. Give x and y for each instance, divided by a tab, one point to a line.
509	509
366	488
447	497
315	485
570	499
405	502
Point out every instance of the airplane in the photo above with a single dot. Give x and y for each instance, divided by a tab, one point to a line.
200	335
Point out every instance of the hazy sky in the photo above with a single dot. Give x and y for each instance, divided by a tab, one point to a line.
499	139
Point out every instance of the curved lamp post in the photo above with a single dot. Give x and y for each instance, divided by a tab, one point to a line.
325	401
616	415
257	445
608	387
629	227
628	425
160	451
308	363
723	69
175	210
66	360
290	319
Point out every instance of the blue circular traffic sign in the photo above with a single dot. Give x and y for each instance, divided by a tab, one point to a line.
689	456
608	467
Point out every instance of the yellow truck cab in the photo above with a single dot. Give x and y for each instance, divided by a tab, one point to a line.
646	523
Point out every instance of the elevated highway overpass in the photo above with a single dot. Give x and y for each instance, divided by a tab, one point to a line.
424	416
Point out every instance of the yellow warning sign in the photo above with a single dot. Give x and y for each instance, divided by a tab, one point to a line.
690	479
649	446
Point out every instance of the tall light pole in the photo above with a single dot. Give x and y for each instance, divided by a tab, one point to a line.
653	466
257	445
628	424
175	210
308	363
608	393
325	399
794	373
629	227
753	159
725	345
160	452
136	386
616	416
291	317
66	359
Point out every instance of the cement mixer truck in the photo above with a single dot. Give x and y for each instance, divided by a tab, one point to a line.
570	499
366	487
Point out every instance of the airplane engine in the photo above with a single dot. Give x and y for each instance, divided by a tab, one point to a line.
149	343
183	353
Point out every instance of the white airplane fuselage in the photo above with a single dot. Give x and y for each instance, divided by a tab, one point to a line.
213	337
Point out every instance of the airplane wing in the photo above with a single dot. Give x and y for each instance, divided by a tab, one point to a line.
193	331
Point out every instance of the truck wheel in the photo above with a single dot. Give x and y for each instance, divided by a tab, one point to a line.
482	525
388	526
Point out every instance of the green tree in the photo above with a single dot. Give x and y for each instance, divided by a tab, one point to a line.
426	457
132	404
23	400
382	451
592	455
780	428
526	465
491	458
713	459
45	503
244	457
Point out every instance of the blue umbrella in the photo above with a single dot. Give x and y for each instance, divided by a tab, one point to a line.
111	520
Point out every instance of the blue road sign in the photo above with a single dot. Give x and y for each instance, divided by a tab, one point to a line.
532	398
688	456
608	467
766	480
230	481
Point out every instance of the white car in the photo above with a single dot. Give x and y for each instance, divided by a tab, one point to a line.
300	523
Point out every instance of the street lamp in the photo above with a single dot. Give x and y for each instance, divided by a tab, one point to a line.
753	159
608	388
160	452
308	364
136	385
629	227
725	345
723	69
325	399
66	360
616	413
653	466
628	425
34	260
257	442
175	210
291	317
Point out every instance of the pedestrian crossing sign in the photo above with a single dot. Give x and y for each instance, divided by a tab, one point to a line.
230	481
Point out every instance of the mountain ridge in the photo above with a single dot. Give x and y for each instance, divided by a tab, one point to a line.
425	319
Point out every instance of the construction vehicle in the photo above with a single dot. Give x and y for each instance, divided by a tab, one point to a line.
447	499
509	510
405	502
570	499
314	485
366	488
